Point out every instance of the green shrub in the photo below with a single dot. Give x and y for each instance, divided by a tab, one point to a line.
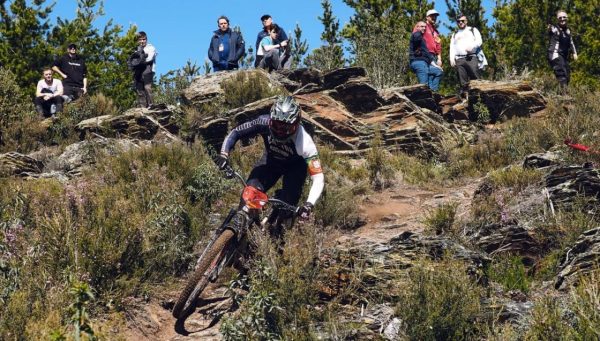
127	223
515	178
246	87
440	303
282	289
381	174
441	219
510	271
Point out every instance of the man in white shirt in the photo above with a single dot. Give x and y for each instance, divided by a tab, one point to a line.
48	94
464	47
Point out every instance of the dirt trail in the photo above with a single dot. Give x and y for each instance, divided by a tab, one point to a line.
387	214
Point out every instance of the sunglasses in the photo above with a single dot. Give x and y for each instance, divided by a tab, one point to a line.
462	21
562	18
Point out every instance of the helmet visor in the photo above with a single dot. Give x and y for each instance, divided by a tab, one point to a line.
282	129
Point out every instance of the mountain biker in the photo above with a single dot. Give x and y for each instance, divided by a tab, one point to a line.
289	153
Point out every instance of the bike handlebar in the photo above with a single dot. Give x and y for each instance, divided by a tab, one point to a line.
231	173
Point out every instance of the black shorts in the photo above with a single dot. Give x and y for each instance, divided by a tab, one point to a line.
266	174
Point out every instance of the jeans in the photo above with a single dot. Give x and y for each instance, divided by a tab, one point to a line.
427	74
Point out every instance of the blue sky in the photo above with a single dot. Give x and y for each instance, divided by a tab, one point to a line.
181	29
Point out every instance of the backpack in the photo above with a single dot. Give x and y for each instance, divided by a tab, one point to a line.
135	61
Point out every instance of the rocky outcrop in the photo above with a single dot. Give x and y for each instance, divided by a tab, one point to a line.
580	259
491	101
137	123
565	184
14	163
504	238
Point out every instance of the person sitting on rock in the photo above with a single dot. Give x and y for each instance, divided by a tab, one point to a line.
48	95
282	38
433	41
419	56
465	44
270	51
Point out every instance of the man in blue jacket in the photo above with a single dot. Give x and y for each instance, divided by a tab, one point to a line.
226	47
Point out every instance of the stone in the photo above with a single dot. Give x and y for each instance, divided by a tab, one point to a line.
541	160
509	238
580	259
17	164
565	184
419	94
502	100
358	96
139	123
337	77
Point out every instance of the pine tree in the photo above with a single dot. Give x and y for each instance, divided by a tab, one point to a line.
23	46
100	49
330	55
299	47
378	34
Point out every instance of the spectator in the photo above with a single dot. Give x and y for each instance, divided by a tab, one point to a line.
143	70
419	56
434	46
48	95
71	67
270	53
465	44
226	47
282	39
561	43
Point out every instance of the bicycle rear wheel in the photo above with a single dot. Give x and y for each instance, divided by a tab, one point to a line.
200	278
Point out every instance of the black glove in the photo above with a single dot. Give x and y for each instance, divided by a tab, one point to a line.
305	210
222	162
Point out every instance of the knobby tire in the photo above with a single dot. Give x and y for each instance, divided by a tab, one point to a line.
185	304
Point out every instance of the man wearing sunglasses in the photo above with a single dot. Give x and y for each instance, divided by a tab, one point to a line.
290	153
561	43
464	47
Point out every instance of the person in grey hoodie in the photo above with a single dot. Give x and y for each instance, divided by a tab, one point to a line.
226	47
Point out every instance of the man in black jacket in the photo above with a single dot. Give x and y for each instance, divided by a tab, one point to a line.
226	47
71	67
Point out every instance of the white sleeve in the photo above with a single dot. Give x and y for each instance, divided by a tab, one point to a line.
452	49
151	52
318	183
478	40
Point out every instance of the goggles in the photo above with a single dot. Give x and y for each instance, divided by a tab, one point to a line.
282	129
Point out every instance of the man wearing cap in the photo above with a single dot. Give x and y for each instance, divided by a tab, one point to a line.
561	43
434	46
71	67
281	40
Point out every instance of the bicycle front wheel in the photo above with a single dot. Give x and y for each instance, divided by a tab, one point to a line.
200	278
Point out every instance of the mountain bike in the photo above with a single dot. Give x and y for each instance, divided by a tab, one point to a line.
224	247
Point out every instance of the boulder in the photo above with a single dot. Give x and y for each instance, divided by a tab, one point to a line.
491	101
565	184
419	94
503	238
357	95
78	155
541	160
580	259
337	77
138	123
13	163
